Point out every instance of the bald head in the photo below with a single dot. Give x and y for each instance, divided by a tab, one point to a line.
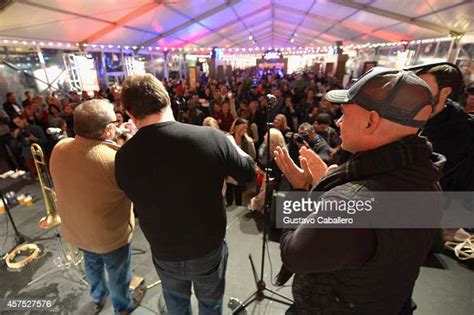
91	118
363	130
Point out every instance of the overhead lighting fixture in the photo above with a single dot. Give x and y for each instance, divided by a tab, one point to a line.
292	40
250	37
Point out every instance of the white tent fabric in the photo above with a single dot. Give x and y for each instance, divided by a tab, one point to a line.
234	23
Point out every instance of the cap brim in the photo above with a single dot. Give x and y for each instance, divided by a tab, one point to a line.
338	96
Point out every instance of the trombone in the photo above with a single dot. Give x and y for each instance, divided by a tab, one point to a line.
52	218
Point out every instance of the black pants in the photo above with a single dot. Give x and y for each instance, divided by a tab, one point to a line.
234	191
8	153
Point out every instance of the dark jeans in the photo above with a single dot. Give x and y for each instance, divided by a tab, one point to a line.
8	153
234	191
117	264
205	274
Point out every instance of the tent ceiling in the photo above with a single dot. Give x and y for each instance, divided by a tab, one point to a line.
229	23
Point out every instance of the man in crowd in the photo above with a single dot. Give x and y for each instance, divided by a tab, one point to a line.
322	126
28	98
11	106
6	151
307	137
365	271
24	135
193	115
173	174
451	132
96	215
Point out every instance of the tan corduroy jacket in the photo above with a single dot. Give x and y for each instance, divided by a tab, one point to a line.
96	215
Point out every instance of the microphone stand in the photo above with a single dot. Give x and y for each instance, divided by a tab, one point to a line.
260	293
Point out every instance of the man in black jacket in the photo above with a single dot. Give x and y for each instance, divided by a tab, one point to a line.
306	136
450	131
173	173
11	106
365	271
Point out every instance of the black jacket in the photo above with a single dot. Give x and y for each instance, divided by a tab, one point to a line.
452	135
364	271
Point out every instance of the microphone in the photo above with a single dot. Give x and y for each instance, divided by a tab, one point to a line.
271	99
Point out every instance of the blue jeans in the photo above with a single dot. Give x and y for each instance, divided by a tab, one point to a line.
117	264
207	276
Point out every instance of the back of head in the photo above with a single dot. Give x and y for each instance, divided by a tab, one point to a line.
323	119
92	117
210	122
276	139
144	95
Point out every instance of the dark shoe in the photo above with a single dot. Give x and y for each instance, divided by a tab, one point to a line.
282	277
98	306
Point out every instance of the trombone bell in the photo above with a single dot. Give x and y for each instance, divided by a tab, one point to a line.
49	221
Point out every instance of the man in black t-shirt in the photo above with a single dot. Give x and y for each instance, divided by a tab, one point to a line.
173	173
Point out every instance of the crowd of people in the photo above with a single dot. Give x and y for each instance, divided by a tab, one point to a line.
131	135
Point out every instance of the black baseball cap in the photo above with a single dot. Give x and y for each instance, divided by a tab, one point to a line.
397	95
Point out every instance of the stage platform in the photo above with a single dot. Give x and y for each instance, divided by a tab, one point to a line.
448	289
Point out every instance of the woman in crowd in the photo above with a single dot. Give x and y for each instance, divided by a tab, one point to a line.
276	140
225	118
252	129
238	133
281	124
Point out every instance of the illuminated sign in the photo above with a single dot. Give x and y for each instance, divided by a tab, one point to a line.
272	55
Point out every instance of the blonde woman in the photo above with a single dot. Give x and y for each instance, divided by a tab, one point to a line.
281	124
210	122
276	140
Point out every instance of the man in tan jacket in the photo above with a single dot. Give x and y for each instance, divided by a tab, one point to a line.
96	215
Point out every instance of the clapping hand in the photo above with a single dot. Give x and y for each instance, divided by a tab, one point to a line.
315	164
299	178
312	168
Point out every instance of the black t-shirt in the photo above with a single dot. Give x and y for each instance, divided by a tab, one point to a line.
173	173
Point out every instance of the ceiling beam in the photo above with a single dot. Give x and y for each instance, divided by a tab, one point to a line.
394	16
190	22
58	10
272	35
353	26
198	23
316	32
121	22
233	22
273	18
306	37
256	30
79	15
304	18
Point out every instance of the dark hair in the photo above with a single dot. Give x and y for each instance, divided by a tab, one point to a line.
446	76
10	94
17	116
54	106
144	95
323	119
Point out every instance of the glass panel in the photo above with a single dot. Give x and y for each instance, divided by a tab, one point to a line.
18	68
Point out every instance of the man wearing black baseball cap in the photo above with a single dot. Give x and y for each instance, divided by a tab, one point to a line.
365	271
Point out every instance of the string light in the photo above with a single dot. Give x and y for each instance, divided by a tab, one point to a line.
243	50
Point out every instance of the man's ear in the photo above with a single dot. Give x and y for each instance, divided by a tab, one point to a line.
445	92
373	122
132	117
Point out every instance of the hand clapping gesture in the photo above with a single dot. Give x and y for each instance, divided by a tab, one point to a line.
312	168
